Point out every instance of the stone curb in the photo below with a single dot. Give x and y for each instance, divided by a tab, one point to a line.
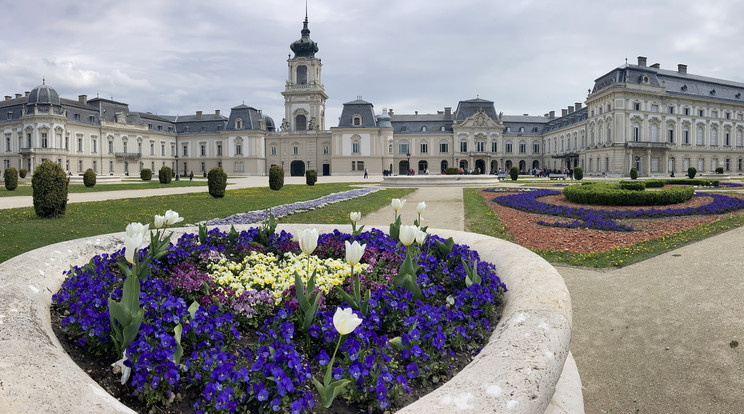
517	371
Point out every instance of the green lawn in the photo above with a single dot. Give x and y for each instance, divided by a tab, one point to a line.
21	230
338	213
24	186
479	218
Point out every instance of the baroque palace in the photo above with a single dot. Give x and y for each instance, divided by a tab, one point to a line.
659	121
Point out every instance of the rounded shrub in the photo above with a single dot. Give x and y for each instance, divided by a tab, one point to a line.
89	177
452	171
276	177
50	184
22	173
217	181
11	179
578	173
514	173
613	195
633	185
691	172
146	174
165	175
633	173
311	177
719	170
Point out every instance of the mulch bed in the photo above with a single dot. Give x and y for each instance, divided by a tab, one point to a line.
526	232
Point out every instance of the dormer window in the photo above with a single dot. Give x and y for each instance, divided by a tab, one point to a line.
239	123
357	120
441	129
521	129
423	128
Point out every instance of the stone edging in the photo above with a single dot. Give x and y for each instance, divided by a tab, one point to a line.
517	371
481	180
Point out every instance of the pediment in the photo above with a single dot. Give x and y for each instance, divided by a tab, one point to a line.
479	120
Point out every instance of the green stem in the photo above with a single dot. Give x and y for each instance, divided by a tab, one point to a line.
327	380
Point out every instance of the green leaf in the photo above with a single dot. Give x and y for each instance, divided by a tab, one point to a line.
348	298
179	349
333	390
310	314
130	331
300	293
193	308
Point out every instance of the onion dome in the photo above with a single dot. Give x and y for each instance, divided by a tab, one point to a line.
304	47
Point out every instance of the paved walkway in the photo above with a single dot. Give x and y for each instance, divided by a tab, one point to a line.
652	337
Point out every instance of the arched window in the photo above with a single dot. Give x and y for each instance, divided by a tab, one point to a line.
713	137
464	146
654	133
636	132
238	124
523	147
300	123
302	75
423	128
508	147
609	132
700	132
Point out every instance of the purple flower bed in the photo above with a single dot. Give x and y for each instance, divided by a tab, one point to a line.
267	365
730	185
287	209
604	219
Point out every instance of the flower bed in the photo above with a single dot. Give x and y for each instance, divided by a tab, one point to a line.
213	324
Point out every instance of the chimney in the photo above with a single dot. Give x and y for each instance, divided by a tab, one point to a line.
8	97
390	112
198	114
18	95
564	112
526	114
641	60
681	68
447	110
83	99
656	65
552	114
416	112
570	109
577	105
217	112
27	93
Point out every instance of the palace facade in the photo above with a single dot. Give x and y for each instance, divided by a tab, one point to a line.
659	121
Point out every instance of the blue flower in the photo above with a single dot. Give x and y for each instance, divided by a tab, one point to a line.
323	357
412	370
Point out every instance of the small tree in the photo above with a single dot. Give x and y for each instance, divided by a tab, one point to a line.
22	173
146	174
276	177
311	177
89	177
633	173
578	173
719	170
514	173
217	181
165	175
50	189
11	179
691	172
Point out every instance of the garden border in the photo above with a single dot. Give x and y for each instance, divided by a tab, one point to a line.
518	371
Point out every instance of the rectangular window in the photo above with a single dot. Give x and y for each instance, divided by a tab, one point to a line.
354	147
686	136
535	148
739	164
699	136
95	166
607	163
162	150
238	149
523	147
671	109
402	148
728	139
80	145
94	146
273	150
701	112
443	147
654	108
7	145
508	147
111	147
203	150
219	150
654	165
714	114
424	148
685	164
637	107
111	166
325	149
203	166
360	165
728	115
671	135
463	146
296	149
44	140
494	146
186	150
701	165
687	111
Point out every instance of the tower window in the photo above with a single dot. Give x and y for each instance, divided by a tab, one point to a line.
300	123
302	75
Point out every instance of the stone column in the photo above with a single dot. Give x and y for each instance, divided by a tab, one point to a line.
648	163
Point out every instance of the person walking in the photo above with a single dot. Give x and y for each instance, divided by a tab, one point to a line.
365	173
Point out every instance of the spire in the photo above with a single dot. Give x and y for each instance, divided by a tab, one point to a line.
304	47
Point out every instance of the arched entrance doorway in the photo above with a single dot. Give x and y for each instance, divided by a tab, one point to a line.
423	166
443	166
522	166
480	165
464	165
535	164
297	168
494	166
508	165
403	168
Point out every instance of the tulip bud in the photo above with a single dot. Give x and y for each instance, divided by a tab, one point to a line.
308	240
421	237
171	218
408	234
159	221
355	216
397	203
420	207
354	252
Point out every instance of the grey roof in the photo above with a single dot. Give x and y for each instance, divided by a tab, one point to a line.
412	124
675	82
466	109
109	108
573	118
43	94
250	116
358	107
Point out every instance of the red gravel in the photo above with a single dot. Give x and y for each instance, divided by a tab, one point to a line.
526	232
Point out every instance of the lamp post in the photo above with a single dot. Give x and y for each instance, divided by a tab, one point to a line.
177	164
408	163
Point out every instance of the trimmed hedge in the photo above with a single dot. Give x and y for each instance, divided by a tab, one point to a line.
633	185
613	195
165	175
217	182
691	172
719	170
276	177
146	174
22	173
311	177
633	173
452	171
658	183
50	185
11	179
578	173
89	177
514	173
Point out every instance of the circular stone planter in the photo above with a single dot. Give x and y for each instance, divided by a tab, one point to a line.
520	370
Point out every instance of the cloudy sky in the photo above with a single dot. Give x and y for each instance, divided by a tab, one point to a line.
528	56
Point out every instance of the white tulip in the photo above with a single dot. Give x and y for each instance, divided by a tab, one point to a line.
354	252
135	238
159	221
397	203
171	218
408	234
421	237
420	207
308	240
137	228
345	321
355	216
